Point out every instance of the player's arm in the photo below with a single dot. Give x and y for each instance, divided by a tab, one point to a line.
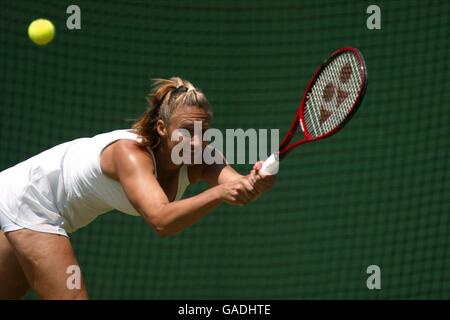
216	174
222	172
134	169
219	172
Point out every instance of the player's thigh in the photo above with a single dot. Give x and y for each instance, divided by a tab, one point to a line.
49	263
14	284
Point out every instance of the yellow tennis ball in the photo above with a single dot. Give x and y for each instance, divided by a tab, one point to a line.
41	31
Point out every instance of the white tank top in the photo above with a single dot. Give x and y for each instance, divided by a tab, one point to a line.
64	187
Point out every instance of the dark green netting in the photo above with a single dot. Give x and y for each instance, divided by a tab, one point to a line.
376	193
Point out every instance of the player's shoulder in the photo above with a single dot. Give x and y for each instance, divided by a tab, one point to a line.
126	151
128	145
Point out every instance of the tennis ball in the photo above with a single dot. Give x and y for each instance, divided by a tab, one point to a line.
41	31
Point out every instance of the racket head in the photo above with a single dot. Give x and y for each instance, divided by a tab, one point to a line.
333	95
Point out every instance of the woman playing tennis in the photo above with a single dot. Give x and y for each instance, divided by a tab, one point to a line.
66	187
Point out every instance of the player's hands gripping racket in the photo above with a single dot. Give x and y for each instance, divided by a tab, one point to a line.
331	98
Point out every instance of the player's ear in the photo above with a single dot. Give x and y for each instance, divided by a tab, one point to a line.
161	128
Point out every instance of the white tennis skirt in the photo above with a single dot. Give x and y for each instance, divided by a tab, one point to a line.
27	193
7	225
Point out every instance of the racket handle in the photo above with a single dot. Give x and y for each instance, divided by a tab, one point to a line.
271	165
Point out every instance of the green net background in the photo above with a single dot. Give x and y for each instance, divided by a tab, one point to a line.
376	193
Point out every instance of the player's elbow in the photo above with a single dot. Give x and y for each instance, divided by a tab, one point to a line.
159	225
162	231
166	229
155	219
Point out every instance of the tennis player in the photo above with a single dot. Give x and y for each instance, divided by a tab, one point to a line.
66	187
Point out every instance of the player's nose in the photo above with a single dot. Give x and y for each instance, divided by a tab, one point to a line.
196	140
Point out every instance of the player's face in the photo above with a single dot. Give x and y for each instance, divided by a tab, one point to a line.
185	118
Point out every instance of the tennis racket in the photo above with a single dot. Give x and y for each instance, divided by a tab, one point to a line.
333	94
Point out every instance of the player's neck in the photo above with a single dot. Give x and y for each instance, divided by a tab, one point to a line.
164	161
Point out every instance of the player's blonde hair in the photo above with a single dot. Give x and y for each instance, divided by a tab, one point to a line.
166	96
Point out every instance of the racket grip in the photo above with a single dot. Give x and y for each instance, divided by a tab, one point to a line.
271	165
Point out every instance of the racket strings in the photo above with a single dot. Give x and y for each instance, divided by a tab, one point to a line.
333	95
316	111
348	91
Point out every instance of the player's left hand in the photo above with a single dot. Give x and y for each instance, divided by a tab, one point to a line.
261	182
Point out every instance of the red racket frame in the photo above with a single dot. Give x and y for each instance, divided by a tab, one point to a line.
299	117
